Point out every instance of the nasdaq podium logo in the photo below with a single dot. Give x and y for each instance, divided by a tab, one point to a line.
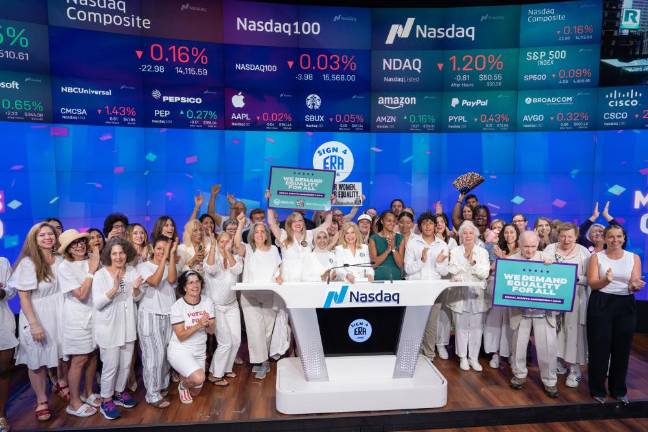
360	297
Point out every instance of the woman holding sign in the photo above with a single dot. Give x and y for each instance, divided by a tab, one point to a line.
614	276
572	340
468	263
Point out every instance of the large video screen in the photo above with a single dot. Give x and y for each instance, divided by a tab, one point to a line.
136	106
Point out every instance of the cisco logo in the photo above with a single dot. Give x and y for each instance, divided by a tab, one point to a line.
628	98
550	100
396	102
360	330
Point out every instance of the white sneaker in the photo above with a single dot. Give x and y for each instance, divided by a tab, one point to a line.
443	352
474	363
494	361
574	376
560	369
463	364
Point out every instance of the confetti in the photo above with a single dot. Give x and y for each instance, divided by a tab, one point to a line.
559	203
408	159
53	200
118	170
151	157
146	172
492	205
375	149
643	171
17	167
169	195
517	199
188	175
97	185
13	205
163	130
10	241
58	131
270	140
236	141
620	219
84	229
616	190
492	176
573	173
147	218
105	137
309	133
191	160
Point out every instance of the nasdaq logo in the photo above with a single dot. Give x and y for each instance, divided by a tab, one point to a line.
428	32
336	297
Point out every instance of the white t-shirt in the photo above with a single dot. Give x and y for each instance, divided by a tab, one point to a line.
7	321
71	275
261	266
183	312
156	299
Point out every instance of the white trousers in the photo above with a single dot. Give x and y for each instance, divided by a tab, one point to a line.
572	336
437	329
154	331
469	328
497	331
546	349
259	319
228	337
116	367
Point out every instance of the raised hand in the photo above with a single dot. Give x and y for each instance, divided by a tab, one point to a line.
198	200
230	199
241	218
215	189
606	212
438	207
424	254
595	213
609	276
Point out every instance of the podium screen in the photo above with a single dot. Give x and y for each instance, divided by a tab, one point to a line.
360	331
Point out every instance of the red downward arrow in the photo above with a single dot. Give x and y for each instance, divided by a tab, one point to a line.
290	64
440	66
139	53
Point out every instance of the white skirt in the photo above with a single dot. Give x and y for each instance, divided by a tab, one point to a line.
184	360
46	353
78	336
7	328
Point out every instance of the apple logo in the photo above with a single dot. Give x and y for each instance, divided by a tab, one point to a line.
237	100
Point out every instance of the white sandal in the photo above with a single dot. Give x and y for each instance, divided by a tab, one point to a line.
94	400
84	410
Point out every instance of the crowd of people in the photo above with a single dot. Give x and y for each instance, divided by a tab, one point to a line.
87	298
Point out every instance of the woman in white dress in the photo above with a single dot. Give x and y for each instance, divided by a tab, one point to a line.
352	252
75	276
222	269
192	318
444	320
468	263
317	265
572	335
115	288
154	318
262	264
41	302
8	339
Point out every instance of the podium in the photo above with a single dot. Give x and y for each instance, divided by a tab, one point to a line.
315	383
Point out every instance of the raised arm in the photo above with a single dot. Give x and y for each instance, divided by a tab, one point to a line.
456	211
353	212
274	225
211	206
238	237
198	200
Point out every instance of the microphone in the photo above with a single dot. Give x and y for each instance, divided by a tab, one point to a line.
346	265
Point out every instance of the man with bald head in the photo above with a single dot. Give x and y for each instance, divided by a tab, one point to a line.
543	324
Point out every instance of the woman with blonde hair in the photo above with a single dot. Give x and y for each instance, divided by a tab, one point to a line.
41	302
222	269
350	250
194	247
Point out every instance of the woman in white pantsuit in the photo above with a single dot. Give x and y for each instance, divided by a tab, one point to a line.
440	308
41	304
115	289
160	275
468	263
572	334
262	265
75	275
222	269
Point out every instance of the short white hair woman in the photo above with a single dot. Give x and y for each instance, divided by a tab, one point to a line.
468	263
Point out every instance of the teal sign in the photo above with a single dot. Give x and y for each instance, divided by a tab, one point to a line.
631	18
300	188
534	284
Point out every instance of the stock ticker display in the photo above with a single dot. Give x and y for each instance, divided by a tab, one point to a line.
240	65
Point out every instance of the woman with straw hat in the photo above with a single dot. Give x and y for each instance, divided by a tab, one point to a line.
75	275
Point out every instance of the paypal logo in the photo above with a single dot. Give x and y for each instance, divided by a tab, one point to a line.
337	297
